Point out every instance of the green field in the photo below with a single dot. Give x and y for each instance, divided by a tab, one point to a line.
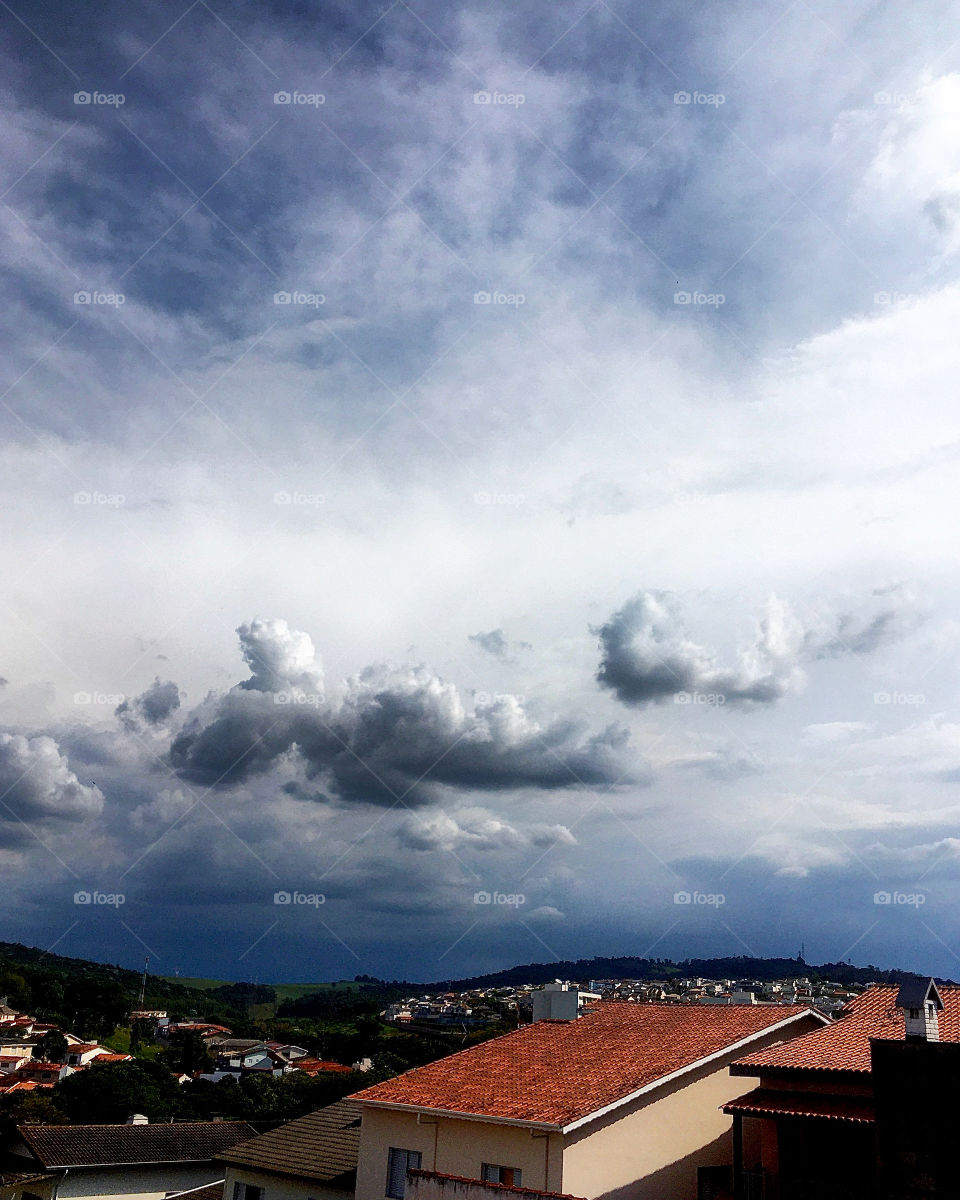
285	991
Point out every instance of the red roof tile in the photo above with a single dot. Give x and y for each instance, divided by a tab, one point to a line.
763	1102
845	1045
558	1072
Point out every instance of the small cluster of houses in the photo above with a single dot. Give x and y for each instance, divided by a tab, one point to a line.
235	1057
825	996
20	1071
593	1100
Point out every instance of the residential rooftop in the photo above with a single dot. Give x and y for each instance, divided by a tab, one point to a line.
321	1147
58	1146
556	1073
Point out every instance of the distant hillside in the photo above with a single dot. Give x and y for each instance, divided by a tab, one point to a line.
584	969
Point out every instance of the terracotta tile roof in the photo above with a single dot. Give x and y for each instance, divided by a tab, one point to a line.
322	1146
845	1045
558	1072
763	1102
314	1066
109	1145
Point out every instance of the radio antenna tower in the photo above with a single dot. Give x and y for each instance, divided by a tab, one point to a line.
143	982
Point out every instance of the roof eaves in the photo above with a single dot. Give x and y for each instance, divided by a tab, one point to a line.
550	1126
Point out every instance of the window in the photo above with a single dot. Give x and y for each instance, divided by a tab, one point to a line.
247	1191
712	1182
508	1176
398	1163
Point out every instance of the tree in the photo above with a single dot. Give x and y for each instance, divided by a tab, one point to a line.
52	1047
109	1093
141	1034
187	1053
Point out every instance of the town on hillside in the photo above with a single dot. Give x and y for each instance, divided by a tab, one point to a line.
685	1088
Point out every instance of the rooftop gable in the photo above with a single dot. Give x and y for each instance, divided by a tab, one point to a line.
558	1074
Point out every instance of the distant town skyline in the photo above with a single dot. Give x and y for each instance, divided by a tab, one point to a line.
480	483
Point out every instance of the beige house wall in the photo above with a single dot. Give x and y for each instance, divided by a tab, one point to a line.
455	1147
650	1149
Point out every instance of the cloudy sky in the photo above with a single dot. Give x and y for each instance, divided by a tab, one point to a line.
481	483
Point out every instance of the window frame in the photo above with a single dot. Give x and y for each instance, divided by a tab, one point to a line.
410	1154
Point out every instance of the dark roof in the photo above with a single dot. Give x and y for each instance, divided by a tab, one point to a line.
322	1146
765	1102
914	993
107	1145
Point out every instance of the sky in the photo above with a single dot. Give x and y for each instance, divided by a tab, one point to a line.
480	483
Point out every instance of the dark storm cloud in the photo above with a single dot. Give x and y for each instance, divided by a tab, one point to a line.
153	706
647	657
394	733
37	786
